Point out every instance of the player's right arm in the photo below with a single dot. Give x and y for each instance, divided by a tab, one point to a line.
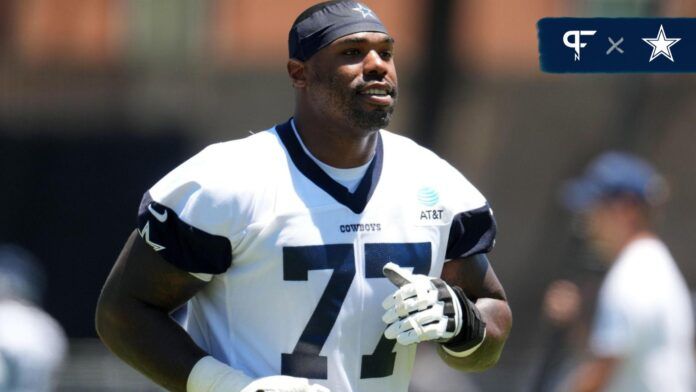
133	320
182	241
152	277
133	314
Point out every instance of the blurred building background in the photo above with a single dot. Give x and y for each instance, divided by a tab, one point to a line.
99	98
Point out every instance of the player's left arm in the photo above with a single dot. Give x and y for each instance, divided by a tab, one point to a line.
594	374
475	276
610	339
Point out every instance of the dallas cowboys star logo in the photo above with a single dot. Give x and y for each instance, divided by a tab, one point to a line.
661	45
145	233
364	11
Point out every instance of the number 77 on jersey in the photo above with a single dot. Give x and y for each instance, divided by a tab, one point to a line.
305	359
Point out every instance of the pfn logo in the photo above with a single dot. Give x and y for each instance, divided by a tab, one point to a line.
576	43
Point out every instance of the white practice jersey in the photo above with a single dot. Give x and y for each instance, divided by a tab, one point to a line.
295	259
644	316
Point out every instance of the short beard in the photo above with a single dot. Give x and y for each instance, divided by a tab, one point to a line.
347	103
369	120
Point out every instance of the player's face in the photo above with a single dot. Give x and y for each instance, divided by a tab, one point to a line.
353	80
608	224
598	228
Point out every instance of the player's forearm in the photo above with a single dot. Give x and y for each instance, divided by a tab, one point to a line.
158	347
148	340
498	317
593	375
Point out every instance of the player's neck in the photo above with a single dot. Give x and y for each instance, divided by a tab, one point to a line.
622	243
638	235
334	144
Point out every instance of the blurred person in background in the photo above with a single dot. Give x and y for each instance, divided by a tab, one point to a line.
32	344
642	337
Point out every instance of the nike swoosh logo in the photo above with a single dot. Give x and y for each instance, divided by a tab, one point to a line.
160	217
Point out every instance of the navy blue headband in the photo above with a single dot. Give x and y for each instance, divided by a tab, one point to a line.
330	21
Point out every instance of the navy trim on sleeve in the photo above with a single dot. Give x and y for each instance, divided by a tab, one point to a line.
356	201
184	246
471	233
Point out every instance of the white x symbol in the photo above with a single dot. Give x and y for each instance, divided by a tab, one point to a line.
615	45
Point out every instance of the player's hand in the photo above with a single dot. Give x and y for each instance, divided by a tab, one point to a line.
283	384
425	308
562	303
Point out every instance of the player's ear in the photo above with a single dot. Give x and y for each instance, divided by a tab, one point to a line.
296	71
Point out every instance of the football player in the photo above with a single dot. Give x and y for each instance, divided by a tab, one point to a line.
317	254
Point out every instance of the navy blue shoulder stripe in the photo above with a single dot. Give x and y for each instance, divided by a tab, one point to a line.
184	246
355	201
472	232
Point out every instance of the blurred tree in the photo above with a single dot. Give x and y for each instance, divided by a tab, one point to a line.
621	8
166	34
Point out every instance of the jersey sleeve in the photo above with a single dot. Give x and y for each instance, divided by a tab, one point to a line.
182	219
473	227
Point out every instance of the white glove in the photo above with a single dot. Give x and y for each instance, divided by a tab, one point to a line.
283	384
425	308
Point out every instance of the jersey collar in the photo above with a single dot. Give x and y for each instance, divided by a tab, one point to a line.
355	201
